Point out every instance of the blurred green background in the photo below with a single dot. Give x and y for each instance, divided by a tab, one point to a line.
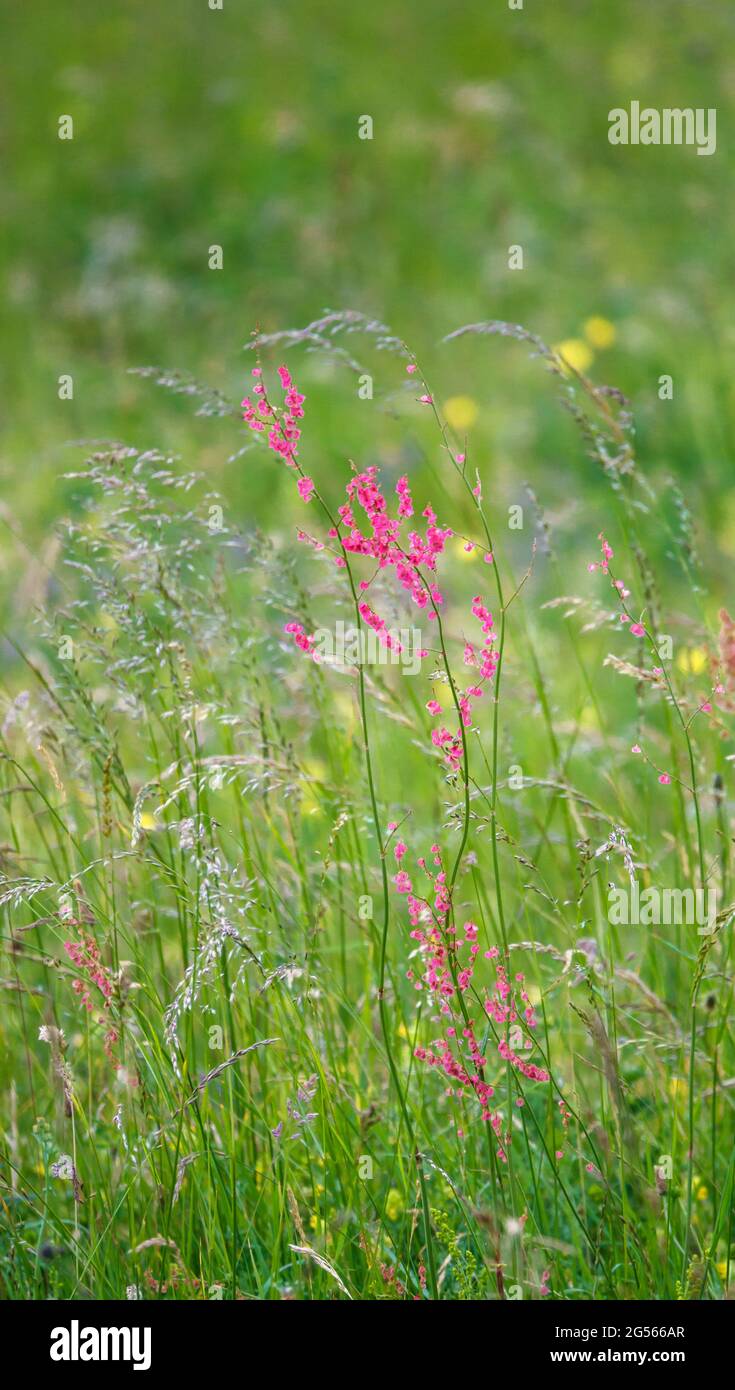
239	127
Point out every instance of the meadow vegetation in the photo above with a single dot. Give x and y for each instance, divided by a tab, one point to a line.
313	989
250	1045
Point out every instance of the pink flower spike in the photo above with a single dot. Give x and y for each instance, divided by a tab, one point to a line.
607	552
306	489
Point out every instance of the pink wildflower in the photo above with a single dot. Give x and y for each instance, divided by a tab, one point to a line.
405	503
607	553
85	954
284	433
303	642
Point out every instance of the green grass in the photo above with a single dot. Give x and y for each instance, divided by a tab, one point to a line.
210	807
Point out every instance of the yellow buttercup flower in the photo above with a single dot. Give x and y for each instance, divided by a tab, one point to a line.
460	412
575	353
599	332
394	1204
692	660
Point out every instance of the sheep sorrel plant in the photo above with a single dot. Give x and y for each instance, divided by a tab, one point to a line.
367	883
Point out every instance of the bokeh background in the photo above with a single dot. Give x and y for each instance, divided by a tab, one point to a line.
239	127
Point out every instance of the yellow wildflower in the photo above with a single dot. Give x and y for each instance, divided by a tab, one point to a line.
600	333
575	353
460	412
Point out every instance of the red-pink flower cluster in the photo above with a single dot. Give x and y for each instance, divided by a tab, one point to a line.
300	637
502	1006
381	541
449	961
405	501
379	626
86	956
636	629
485	662
283	431
607	556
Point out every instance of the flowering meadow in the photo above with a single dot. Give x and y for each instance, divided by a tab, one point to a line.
315	981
